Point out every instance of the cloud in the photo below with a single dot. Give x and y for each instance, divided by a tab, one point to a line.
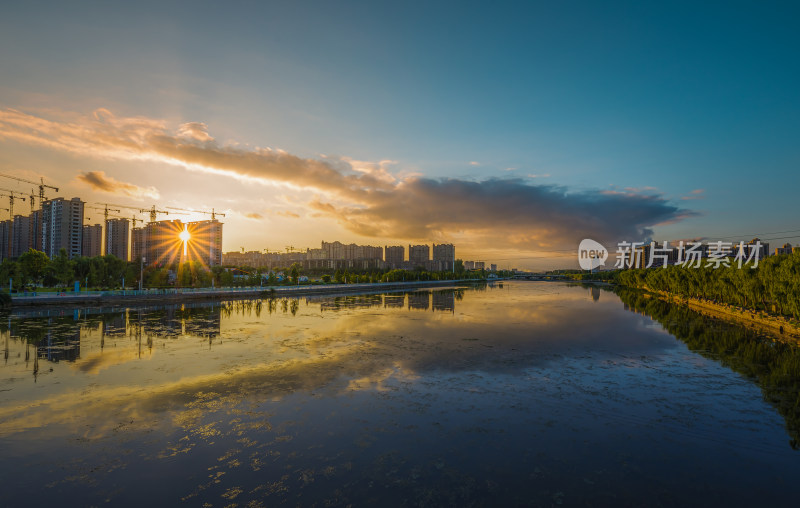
695	194
366	197
98	181
506	212
194	130
253	215
546	175
474	163
288	214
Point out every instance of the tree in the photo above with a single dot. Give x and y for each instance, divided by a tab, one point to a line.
32	266
226	278
11	270
82	266
62	267
114	270
132	275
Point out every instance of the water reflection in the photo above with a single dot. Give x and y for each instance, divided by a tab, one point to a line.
773	364
530	393
56	335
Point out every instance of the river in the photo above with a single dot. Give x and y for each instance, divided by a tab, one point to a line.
508	394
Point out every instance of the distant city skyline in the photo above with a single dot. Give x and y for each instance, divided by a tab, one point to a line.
510	130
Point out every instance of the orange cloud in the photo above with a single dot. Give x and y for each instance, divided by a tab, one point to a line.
98	180
366	198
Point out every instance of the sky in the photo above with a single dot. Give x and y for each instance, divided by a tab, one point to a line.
513	130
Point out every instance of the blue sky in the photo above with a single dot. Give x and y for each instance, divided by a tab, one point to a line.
659	99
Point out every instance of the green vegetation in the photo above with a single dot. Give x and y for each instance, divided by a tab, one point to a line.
34	271
291	275
774	286
775	366
605	275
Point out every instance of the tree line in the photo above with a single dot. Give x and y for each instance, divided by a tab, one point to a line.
34	269
772	286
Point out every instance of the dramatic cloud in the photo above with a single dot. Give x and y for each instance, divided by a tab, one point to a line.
365	197
98	180
508	211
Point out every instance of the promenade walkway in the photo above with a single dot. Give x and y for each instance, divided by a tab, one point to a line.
187	294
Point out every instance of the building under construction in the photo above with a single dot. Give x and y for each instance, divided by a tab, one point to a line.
159	243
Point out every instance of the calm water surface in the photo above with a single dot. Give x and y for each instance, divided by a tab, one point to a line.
523	393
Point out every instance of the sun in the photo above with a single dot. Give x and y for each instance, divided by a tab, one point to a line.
184	236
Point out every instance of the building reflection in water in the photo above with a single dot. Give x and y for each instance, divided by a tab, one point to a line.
419	300
437	300
444	301
56	334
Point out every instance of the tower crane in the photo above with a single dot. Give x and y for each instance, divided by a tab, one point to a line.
153	212
40	183
133	217
105	210
11	198
212	212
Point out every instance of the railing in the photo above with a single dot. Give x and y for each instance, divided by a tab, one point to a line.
225	290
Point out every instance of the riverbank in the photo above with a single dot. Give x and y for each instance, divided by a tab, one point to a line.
179	295
778	326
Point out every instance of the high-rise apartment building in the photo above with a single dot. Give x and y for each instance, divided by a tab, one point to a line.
5	239
62	226
160	243
419	255
163	245
36	237
138	243
21	233
338	250
444	255
92	242
395	255
205	243
116	242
